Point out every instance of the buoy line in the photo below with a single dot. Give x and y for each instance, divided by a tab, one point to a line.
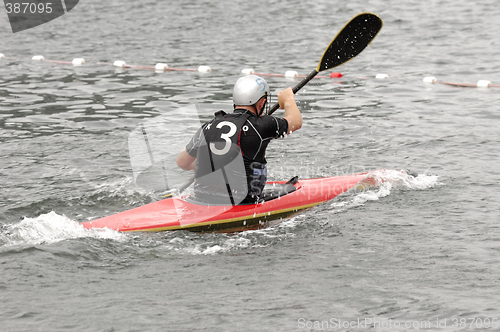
288	73
479	84
163	67
432	80
159	67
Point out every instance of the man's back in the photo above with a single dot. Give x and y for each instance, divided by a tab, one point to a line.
218	143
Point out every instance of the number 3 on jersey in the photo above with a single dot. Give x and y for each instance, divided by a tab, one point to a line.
226	137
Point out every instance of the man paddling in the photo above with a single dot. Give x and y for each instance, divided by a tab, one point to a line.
228	153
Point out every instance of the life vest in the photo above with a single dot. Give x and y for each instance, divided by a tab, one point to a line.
220	172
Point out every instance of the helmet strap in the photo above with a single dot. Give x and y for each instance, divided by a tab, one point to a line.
262	108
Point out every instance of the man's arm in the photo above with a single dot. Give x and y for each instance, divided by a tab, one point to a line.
286	99
185	161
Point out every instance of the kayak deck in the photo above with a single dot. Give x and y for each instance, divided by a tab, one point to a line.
179	213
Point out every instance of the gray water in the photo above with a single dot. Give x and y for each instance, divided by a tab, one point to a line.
406	255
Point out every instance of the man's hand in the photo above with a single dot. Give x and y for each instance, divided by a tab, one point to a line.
286	97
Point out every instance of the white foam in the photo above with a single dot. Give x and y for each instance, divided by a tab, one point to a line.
401	180
50	228
224	245
384	182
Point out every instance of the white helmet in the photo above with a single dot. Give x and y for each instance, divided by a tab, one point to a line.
249	89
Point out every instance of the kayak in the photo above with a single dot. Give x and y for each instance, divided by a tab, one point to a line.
183	213
281	199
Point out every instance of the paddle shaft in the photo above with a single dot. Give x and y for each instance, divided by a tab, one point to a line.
187	184
181	188
296	89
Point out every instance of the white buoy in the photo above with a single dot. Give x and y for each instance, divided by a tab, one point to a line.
291	73
382	76
483	83
204	69
38	58
2	56
119	63
161	67
430	79
247	71
78	61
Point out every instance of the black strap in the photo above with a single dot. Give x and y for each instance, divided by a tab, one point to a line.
220	114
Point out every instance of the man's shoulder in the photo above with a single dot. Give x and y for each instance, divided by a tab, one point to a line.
273	120
269	126
266	119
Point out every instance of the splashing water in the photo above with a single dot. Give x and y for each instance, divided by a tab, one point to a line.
50	228
384	181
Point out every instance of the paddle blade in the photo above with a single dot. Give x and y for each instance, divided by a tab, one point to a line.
350	41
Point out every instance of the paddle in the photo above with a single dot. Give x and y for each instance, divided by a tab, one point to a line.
349	42
181	188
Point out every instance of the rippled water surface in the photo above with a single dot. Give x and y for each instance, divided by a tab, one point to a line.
411	250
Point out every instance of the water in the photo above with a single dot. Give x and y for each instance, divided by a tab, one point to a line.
408	251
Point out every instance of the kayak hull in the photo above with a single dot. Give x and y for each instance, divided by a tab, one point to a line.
180	213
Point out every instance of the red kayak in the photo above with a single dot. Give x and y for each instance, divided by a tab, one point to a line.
281	199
